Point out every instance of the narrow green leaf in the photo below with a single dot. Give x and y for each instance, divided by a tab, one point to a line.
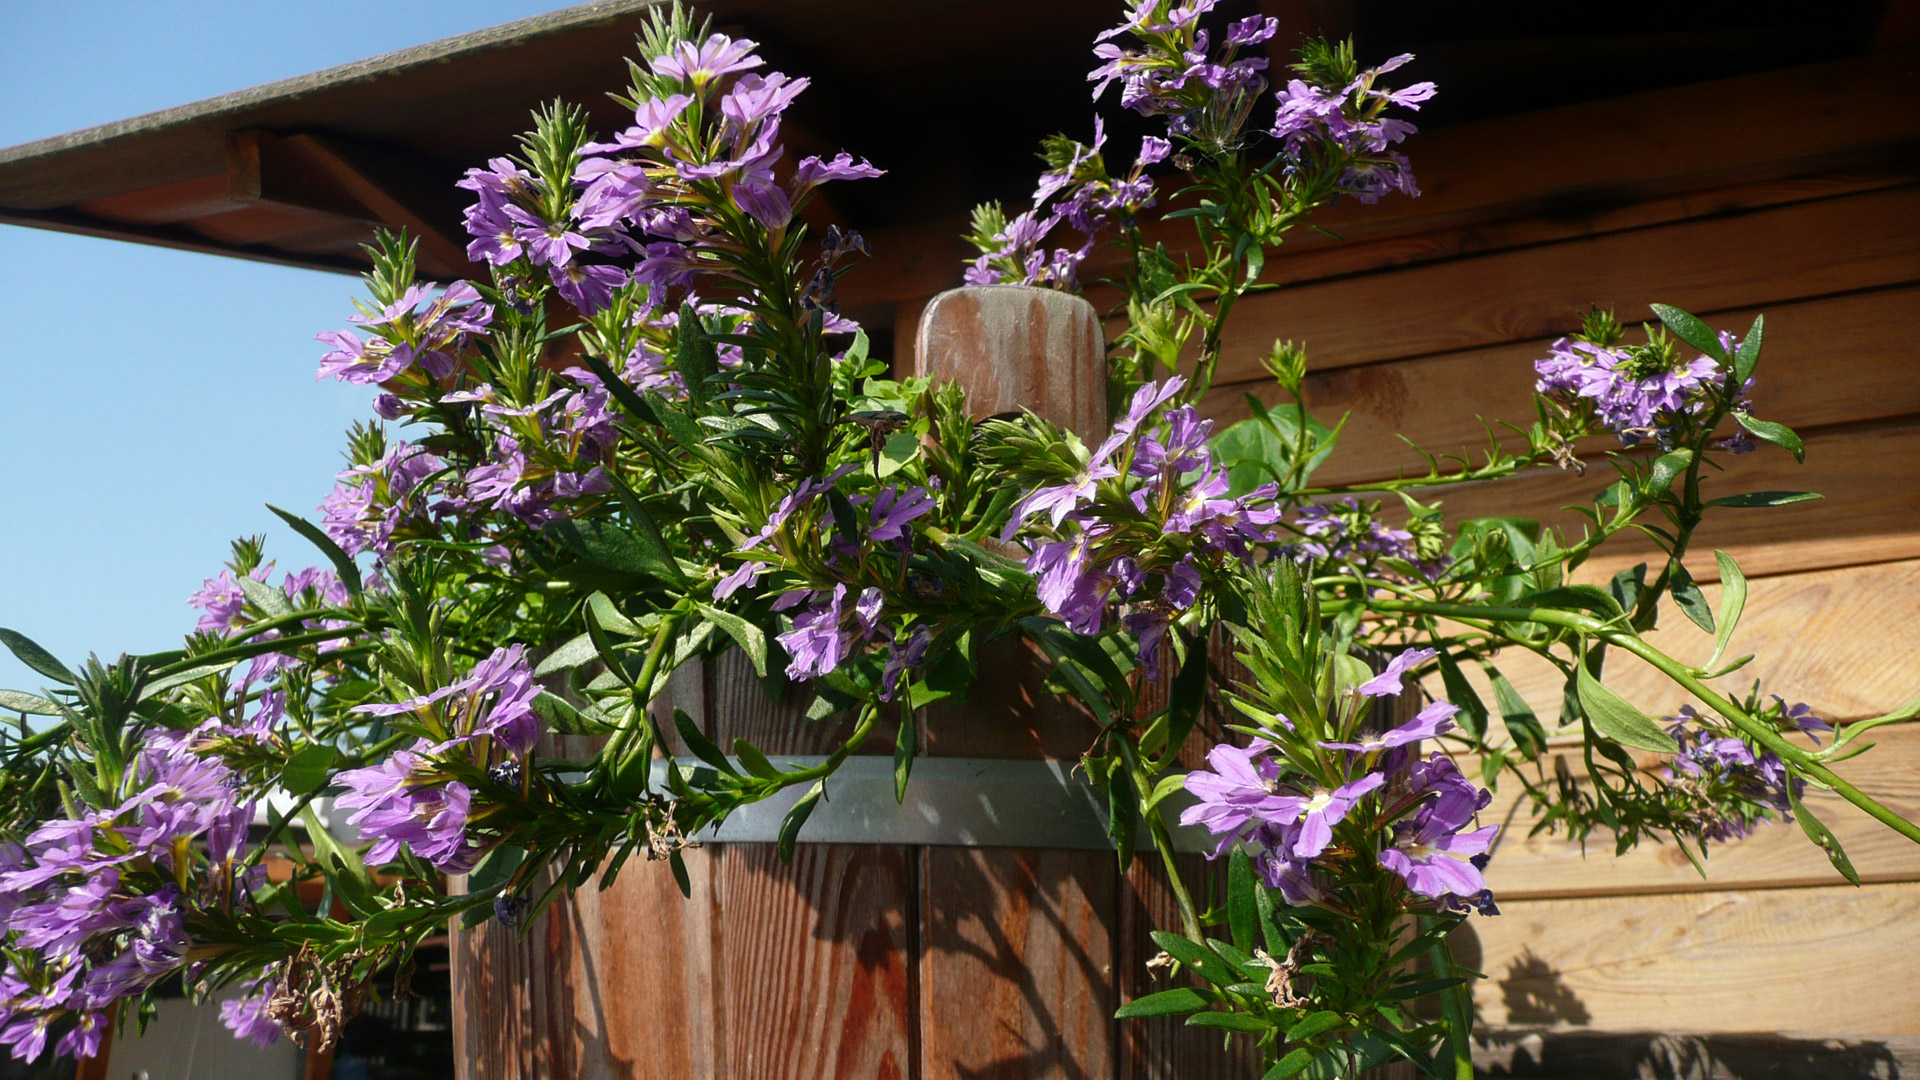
28	652
1165	1003
679	866
1528	736
571	655
307	769
1667	468
751	639
1243	912
796	817
699	745
269	600
1691	330
1472	717
1198	959
1230	1021
1313	1024
1290	1066
1778	434
1733	602
343	565
1693	603
1821	836
1764	498
1747	356
1618	719
1421	988
753	760
32	704
906	742
494	870
1123	812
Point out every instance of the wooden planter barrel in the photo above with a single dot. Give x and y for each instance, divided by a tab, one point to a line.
955	957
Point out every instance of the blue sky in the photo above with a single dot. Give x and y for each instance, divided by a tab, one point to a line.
155	400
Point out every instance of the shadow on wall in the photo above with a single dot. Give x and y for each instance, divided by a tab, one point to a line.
1653	1056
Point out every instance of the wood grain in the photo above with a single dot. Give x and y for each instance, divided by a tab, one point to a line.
1844	641
1776	856
1017	975
1438	401
1704	266
1164	1048
1835	960
1868	514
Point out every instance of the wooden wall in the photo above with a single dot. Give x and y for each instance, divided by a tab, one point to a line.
1796	193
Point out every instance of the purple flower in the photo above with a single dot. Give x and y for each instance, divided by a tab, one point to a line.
894	508
223	606
588	288
394	808
1060	500
1393	680
1070	584
819	641
247	1016
903	658
700	64
1437	862
812	171
1431	722
1318	813
1241	789
765	201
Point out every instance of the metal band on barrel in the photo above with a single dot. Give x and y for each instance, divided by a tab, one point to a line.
951	802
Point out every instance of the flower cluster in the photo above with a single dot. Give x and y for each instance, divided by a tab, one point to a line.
408	342
95	905
1731	786
484	722
1408	814
1140	522
374	501
1641	393
1076	191
1348	531
1327	113
1174	72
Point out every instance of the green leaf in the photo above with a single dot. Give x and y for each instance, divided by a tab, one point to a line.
1618	719
269	600
1764	498
698	743
1747	356
1261	448
1778	434
22	702
343	565
496	868
1733	602
1821	836
607	544
1290	1066
751	639
1528	736
1123	811
753	760
1691	330
1421	988
1313	1024
1230	1021
1198	959
905	743
307	769
1472	717
900	448
1667	468
1165	1003
574	653
31	654
1686	593
679	866
1243	912
796	817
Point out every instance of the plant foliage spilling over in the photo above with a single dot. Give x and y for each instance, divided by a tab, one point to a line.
649	437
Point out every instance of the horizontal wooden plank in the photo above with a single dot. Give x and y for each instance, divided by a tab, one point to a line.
1577	164
1706	265
1834	960
1870	512
1844	641
1830	361
1777	855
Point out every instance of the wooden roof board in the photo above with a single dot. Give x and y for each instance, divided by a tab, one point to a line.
948	95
